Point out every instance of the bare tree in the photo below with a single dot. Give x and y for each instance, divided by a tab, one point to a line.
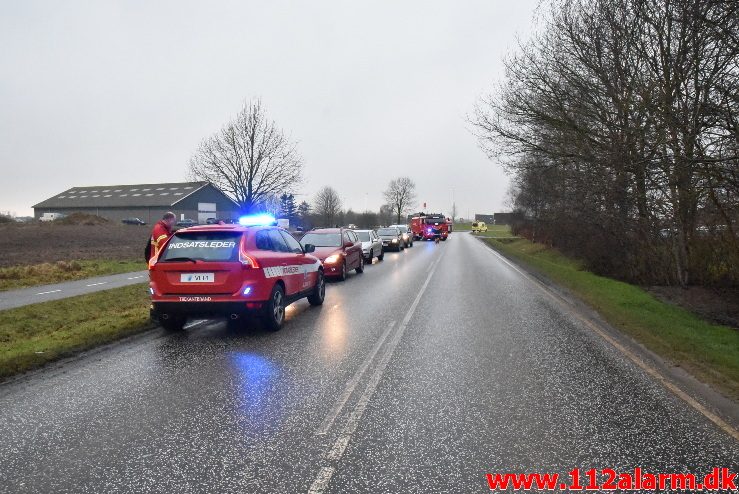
400	195
385	215
620	129
327	205
250	159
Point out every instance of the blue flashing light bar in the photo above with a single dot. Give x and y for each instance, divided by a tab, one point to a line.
257	220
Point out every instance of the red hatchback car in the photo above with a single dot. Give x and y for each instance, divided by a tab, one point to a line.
232	271
339	249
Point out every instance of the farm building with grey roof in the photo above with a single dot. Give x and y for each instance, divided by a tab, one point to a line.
194	200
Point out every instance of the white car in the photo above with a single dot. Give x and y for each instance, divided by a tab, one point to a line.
371	245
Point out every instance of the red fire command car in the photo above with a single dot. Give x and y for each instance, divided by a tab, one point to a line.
234	271
430	226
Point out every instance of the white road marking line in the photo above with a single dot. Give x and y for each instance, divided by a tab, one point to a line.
322	479
196	323
50	291
135	277
96	284
651	371
337	450
352	384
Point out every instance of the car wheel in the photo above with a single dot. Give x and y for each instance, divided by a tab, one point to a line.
172	322
319	291
381	256
342	275
360	268
274	309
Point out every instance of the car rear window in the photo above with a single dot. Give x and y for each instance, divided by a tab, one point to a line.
322	239
203	246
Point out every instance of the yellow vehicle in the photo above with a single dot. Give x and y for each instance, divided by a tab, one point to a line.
479	226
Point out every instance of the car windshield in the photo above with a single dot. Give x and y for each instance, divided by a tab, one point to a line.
363	236
322	239
431	221
388	231
203	246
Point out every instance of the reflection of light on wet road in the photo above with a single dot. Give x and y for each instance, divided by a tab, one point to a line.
334	330
255	377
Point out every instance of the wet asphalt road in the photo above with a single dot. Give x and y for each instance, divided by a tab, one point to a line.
434	367
44	293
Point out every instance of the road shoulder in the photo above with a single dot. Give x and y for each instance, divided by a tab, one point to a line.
685	384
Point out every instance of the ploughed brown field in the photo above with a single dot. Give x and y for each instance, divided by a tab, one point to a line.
24	244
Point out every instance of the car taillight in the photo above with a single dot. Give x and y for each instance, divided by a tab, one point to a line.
247	261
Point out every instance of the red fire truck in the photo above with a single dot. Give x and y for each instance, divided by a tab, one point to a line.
431	225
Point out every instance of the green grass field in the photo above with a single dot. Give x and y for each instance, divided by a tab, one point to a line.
41	274
709	351
36	334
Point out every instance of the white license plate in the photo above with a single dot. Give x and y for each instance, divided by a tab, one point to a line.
197	277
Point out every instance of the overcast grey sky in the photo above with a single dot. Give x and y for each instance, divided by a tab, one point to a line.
96	93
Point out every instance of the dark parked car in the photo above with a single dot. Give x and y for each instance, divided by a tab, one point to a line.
392	238
133	221
186	222
338	249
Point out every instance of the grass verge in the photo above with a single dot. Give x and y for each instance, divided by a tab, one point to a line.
497	231
33	335
708	351
41	274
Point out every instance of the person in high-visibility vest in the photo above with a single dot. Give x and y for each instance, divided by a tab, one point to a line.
160	233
